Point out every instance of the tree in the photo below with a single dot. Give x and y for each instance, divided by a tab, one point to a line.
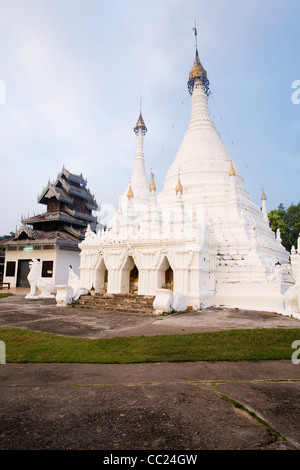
4	237
288	222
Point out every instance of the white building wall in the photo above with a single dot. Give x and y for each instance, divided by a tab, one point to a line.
42	255
61	261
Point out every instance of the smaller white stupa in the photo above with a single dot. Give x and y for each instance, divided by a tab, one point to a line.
201	241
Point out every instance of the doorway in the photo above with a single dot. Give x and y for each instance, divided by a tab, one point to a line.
23	271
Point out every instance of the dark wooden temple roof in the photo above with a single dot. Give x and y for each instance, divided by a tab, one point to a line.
39	237
65	221
59	216
65	187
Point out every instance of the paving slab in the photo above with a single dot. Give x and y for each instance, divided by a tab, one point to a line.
277	402
148	406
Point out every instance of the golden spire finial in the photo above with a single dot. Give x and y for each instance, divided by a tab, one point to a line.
152	186
130	194
179	187
263	197
232	170
197	71
140	124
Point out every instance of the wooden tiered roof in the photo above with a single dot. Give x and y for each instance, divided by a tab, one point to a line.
69	212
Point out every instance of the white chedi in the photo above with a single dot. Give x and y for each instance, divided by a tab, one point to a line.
202	231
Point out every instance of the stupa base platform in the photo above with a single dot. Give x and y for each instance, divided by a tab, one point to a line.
121	303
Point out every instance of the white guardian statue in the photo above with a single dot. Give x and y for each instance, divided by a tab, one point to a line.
38	283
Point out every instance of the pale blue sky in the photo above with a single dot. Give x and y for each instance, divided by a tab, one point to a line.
75	70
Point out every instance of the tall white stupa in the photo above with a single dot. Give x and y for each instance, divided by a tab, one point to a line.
139	183
201	241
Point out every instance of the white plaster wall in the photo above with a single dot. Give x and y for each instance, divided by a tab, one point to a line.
63	259
250	295
43	255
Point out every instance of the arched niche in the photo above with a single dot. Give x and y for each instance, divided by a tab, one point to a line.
165	275
101	277
129	277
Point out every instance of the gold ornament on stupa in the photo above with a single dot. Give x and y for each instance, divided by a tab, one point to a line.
179	187
232	170
140	125
263	197
198	72
152	186
130	194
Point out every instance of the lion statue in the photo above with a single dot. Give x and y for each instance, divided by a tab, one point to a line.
37	282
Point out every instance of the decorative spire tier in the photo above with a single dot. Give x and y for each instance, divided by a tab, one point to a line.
263	206
152	186
202	156
232	170
130	194
198	72
211	179
139	181
179	188
140	125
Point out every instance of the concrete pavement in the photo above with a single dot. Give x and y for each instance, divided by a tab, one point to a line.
45	316
184	406
190	406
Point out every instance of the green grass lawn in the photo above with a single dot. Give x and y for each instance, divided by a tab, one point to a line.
234	345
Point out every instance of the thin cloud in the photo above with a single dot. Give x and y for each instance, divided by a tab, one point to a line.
75	70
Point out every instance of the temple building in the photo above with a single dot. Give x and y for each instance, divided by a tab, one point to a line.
201	241
53	236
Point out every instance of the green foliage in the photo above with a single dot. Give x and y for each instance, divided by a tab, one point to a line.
4	237
288	222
